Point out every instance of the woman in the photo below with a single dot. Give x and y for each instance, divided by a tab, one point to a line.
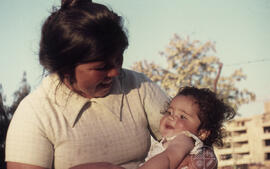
87	110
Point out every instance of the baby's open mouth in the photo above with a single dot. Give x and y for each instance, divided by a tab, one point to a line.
167	126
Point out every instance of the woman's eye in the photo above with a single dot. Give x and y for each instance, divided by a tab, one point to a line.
103	68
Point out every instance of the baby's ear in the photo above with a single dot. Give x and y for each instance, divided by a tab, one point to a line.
203	134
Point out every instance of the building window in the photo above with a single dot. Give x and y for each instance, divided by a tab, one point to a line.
267	142
240	123
244	154
225	156
267	156
242	166
240	143
243	142
227	145
266	129
227	134
240	132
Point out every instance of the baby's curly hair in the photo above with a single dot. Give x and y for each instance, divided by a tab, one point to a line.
213	112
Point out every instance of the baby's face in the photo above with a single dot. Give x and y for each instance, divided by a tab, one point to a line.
182	115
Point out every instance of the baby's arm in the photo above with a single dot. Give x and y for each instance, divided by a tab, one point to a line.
171	158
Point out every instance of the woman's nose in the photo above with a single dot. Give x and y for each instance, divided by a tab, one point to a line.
114	72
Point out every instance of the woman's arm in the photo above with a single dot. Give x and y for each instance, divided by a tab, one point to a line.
100	165
14	165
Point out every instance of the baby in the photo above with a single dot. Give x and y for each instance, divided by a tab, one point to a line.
193	120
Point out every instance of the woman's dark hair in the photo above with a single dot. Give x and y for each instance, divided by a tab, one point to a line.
213	112
79	32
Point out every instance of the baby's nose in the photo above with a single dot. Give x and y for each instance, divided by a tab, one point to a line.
172	117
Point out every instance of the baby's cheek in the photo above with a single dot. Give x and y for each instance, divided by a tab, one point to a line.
162	128
180	126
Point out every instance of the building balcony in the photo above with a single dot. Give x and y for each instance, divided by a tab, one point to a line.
266	122
235	128
266	118
237	149
241	149
237	160
222	163
265	136
238	138
224	151
266	148
244	160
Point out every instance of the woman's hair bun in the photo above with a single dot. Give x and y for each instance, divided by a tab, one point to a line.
71	3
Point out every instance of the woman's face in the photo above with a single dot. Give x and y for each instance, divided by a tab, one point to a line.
182	115
95	79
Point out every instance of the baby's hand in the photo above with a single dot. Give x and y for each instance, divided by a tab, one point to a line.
182	142
177	149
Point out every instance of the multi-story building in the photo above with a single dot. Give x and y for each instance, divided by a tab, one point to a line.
247	144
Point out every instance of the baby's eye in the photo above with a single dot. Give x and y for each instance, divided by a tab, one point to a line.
168	113
182	117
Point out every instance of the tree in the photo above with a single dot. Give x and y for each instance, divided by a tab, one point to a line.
3	127
7	112
193	63
18	95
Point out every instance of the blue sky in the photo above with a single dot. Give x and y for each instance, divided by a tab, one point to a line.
240	29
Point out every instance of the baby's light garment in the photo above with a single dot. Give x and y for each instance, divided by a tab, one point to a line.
157	147
198	143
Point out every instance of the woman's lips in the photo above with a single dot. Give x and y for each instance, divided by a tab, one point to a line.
106	84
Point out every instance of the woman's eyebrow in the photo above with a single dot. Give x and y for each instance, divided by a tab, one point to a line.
97	65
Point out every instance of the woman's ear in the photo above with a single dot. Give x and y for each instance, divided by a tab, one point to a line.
203	134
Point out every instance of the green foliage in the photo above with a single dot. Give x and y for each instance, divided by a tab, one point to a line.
6	113
4	122
192	63
18	95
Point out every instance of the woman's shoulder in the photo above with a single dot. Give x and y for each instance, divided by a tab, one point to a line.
134	76
37	99
136	80
147	88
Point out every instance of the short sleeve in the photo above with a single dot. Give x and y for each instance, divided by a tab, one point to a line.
26	139
155	102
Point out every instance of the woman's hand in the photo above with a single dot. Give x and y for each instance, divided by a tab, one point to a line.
100	165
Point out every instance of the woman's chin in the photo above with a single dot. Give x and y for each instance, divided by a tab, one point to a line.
103	92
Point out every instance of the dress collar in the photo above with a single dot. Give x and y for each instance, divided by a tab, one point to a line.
71	104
